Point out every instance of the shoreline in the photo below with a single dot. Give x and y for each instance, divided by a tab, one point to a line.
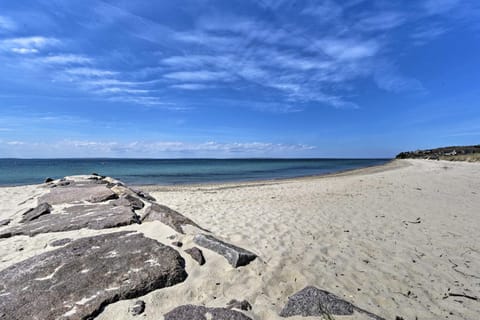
392	164
394	239
260	180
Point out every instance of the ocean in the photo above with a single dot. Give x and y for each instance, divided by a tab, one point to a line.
174	171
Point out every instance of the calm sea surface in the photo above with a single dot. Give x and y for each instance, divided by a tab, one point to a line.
178	171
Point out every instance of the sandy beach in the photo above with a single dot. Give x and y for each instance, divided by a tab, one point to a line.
395	240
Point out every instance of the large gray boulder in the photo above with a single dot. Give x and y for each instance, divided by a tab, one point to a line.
311	301
77	192
169	217
191	312
34	213
236	256
78	280
95	216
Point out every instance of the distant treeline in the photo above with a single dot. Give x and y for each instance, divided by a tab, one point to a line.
459	153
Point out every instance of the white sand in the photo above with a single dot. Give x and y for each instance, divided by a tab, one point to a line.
348	234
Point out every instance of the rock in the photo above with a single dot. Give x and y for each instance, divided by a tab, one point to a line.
107	195
191	312
177	244
197	255
62	183
47	180
134	202
236	256
77	281
60	242
242	305
169	217
94	216
74	192
144	195
5	222
315	302
137	308
34	213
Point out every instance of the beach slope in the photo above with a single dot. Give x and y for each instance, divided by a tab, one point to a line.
396	240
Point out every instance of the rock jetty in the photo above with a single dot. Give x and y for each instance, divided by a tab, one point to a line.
79	276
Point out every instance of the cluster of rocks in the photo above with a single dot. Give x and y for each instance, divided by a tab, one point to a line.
107	267
77	278
308	302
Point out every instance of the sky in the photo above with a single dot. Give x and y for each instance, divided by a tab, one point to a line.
237	78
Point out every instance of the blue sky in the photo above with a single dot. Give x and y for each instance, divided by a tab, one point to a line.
259	78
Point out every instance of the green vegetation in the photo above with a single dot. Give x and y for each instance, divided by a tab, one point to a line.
455	153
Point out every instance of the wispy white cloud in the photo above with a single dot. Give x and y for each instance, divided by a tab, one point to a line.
71	148
145	100
426	34
381	21
191	86
199	75
388	78
326	10
301	69
90	72
348	49
27	45
24	50
7	24
62	59
15	143
110	90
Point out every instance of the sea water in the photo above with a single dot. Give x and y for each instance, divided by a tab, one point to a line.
174	171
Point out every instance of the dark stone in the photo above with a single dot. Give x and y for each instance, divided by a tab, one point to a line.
134	202
60	242
315	302
34	213
77	281
197	255
114	184
169	217
143	195
191	312
103	197
236	256
242	305
5	222
177	244
72	192
98	216
62	183
138	308
47	180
